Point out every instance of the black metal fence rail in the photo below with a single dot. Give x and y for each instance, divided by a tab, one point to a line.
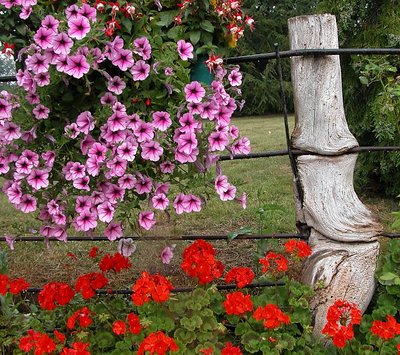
181	238
175	290
262	57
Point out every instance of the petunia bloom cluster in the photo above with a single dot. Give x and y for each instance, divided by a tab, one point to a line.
112	153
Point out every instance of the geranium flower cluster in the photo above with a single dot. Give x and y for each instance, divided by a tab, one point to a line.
341	317
199	261
14	286
386	330
79	165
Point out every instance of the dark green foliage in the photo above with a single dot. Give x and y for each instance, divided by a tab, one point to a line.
261	87
371	86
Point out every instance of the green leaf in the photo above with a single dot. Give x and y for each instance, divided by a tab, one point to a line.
240	231
207	26
363	80
387	277
194	37
127	23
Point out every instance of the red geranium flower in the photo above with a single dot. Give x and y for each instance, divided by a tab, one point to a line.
117	262
272	316
151	287
3	283
302	248
238	303
157	343
386	330
60	336
242	276
208	351
55	293
78	348
89	283
229	349
280	261
119	327
199	261
93	252
18	285
41	343
82	316
134	323
341	317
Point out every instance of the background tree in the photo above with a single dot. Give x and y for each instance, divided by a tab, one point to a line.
261	88
371	85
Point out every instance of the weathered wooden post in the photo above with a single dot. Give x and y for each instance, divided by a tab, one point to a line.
343	231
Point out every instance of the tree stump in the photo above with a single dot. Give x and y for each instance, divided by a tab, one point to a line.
343	232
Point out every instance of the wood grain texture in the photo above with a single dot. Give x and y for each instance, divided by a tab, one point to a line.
321	125
343	232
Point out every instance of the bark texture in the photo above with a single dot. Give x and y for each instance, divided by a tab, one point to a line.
343	231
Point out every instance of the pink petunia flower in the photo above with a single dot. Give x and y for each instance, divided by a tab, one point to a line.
167	167
161	120
37	63
85	122
194	92
77	66
44	37
42	79
241	146
126	247
160	201
187	142
221	184
117	121
140	70
27	204
10	241
127	181
151	150
10	131
146	219
105	212
116	85
185	50
113	231
62	44
108	99
127	150
178	203
228	194
85	221
123	59
143	185
167	254
41	112
14	193
83	203
144	131
89	12
142	47
38	179
235	78
50	23
218	141
191	203
78	27
81	183
5	109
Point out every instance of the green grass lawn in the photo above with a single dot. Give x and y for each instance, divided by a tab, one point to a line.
267	181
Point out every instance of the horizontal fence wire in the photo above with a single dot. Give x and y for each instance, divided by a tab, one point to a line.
175	290
169	238
262	57
181	238
277	153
